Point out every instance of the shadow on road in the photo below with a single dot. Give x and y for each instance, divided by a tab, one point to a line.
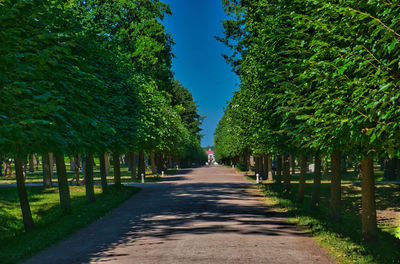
191	203
194	209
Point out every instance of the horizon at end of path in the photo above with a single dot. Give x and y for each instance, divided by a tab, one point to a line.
201	215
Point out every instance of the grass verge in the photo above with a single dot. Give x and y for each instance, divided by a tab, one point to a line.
342	240
51	225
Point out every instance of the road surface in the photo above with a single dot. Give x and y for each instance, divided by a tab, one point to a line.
202	215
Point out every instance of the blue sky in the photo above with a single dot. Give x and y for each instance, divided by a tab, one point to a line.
199	65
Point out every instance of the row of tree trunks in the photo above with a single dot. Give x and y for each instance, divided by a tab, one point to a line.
263	166
284	163
63	186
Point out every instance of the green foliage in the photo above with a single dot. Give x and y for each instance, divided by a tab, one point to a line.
315	76
90	76
182	98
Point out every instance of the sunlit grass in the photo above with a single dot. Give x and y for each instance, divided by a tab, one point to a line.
342	240
50	224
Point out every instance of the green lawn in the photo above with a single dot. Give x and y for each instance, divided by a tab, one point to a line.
50	225
343	240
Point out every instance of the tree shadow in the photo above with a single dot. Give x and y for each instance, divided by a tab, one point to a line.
383	250
184	209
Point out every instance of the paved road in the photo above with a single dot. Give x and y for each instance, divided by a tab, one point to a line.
203	215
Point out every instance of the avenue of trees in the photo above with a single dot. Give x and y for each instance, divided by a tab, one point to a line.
90	77
318	78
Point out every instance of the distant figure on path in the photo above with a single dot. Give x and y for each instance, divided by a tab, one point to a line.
211	157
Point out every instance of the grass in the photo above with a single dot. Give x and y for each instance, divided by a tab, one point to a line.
342	240
51	225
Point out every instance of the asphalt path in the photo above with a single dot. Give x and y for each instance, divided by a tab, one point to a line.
202	215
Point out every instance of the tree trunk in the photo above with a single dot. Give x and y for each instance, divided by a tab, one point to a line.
325	168
71	163
153	163
142	165
397	170
107	164
23	195
89	186
133	164
63	188
159	162
24	167
264	161
335	199
125	160
302	178
36	156
316	193
47	171
286	173
117	169
256	165
77	166
31	164
51	162
390	169
369	228
343	165
8	169
269	161
169	161
293	164
247	162
103	176
129	161
278	177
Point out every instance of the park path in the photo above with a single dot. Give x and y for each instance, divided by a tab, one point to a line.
202	215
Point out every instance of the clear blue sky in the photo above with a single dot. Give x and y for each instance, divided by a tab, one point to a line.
199	65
